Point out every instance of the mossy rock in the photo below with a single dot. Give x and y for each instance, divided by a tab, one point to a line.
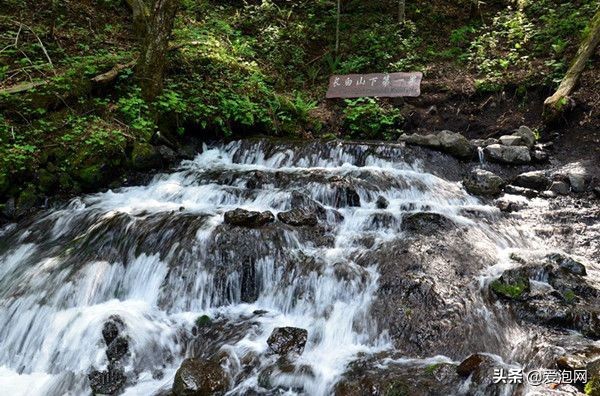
513	290
90	176
145	157
47	180
203	321
28	199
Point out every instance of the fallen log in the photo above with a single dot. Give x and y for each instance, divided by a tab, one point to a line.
555	105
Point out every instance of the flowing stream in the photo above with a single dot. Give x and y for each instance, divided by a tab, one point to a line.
159	256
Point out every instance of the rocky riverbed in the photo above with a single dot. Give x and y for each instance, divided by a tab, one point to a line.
272	267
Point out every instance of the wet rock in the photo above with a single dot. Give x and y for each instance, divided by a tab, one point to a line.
381	202
511	140
167	154
196	377
540	155
345	195
513	284
535	180
144	157
527	135
568	264
509	206
107	382
298	217
471	364
112	328
479	368
117	349
426	223
592	387
482	182
559	187
597	192
515	190
303	201
578	181
286	340
247	218
455	144
508	154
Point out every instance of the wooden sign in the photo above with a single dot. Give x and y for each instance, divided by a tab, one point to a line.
389	85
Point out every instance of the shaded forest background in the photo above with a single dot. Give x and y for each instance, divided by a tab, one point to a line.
73	116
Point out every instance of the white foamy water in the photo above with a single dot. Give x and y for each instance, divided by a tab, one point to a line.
147	255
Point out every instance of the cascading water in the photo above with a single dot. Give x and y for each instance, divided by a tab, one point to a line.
159	256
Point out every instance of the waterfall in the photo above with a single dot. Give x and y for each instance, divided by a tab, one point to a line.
158	256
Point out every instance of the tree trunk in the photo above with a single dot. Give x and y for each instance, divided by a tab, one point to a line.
141	14
155	45
401	11
337	26
555	104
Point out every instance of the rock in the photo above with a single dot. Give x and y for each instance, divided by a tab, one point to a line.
509	206
112	328
548	194
246	218
107	382
298	217
578	181
597	192
527	135
381	202
167	154
482	182
196	377
484	142
450	142
559	187
455	144
426	223
535	180
345	195
145	157
285	340
117	349
568	264
592	387
540	155
470	364
508	154
513	284
511	140
515	190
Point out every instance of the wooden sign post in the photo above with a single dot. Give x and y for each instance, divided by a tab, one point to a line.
389	85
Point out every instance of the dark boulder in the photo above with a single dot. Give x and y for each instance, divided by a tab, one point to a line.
381	202
247	218
513	284
285	340
108	382
196	377
112	328
298	217
426	223
526	192
535	180
117	349
482	182
345	195
568	264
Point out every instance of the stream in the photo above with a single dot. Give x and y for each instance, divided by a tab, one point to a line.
391	282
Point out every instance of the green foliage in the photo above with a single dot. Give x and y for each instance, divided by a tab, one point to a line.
513	291
367	118
203	321
136	112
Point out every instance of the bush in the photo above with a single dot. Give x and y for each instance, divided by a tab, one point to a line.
366	118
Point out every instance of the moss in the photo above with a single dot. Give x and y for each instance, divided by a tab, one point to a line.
90	175
431	368
47	180
144	156
509	290
592	388
203	321
28	198
569	296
